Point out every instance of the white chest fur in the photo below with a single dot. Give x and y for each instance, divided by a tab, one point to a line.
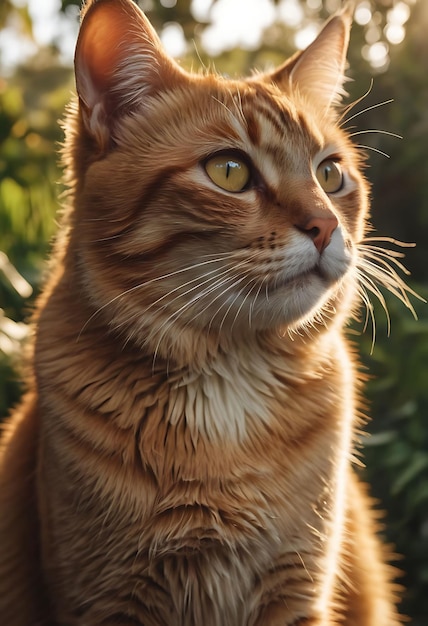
241	387
218	400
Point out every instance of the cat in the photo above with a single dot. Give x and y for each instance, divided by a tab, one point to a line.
184	453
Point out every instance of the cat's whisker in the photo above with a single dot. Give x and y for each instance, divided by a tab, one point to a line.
371	286
253	303
376	261
363	147
373	130
232	303
219	295
204	66
370	108
223	104
385	260
234	268
180	294
142	286
243	300
392	255
221	282
172	319
374	266
395	242
213	281
237	101
349	107
239	279
369	313
221	305
200	280
391	281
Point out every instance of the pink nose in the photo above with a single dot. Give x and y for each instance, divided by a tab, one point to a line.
320	230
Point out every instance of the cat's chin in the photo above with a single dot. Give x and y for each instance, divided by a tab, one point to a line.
294	299
297	301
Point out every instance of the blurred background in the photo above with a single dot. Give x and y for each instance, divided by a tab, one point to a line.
388	61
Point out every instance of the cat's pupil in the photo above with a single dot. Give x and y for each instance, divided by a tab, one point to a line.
227	172
330	176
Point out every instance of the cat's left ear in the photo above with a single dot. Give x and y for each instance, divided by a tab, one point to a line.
318	72
119	61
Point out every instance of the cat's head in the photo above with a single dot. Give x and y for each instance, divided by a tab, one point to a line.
207	205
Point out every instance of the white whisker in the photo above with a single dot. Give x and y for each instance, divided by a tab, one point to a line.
353	104
389	279
373	149
232	303
218	278
396	242
145	284
369	313
369	284
253	303
378	266
220	281
384	259
243	301
370	108
373	130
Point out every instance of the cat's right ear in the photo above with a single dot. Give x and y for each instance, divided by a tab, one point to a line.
119	61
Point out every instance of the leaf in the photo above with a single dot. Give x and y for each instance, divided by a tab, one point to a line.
17	281
417	466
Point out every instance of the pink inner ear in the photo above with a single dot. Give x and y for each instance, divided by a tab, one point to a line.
100	49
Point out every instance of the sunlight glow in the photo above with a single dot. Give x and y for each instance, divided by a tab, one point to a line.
305	36
173	40
233	25
399	14
363	14
376	54
395	33
290	12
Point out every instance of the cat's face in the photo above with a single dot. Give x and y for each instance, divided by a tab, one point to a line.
208	203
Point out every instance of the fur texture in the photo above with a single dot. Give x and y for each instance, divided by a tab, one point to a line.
183	455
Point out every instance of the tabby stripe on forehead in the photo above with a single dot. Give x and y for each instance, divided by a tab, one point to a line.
275	120
253	128
284	115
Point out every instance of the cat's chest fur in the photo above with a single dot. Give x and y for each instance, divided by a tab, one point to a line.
203	466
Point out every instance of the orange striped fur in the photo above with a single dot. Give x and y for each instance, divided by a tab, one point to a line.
183	455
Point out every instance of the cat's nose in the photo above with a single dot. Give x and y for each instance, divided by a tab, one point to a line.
320	230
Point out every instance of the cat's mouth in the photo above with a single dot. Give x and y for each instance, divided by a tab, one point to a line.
301	280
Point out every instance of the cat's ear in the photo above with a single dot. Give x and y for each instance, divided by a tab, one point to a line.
119	61
319	71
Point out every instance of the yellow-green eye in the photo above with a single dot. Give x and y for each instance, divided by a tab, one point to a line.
330	176
228	172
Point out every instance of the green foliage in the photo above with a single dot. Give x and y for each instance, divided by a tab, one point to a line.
396	453
31	103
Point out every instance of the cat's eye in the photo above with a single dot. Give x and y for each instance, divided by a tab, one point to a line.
330	176
229	172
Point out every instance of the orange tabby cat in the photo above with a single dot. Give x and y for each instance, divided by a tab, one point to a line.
183	455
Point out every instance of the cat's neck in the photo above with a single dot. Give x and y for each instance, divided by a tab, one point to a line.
66	317
227	391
